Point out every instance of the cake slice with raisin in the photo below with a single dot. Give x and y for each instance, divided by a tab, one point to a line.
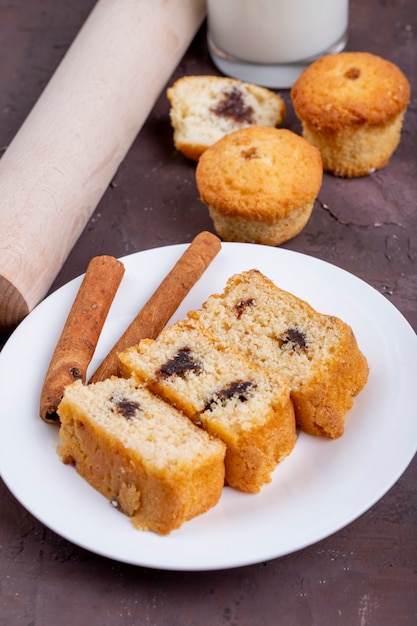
142	454
246	406
317	353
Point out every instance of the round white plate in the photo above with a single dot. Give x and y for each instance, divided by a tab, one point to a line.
321	487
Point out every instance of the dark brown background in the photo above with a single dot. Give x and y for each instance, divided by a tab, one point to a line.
366	573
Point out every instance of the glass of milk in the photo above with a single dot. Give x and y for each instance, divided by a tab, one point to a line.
270	42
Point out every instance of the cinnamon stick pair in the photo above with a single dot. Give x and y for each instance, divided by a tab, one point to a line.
164	302
81	332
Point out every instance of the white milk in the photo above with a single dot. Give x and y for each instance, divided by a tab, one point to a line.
275	32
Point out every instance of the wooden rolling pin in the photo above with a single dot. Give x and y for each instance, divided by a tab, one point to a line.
64	156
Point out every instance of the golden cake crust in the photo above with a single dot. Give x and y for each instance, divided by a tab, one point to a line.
349	89
259	184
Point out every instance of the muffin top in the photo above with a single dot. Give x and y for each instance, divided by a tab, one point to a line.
348	89
259	173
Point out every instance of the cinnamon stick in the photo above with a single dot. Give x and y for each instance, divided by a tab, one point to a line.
79	337
164	302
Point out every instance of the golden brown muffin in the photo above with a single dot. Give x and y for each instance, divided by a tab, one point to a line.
351	106
205	108
246	406
147	458
259	184
317	353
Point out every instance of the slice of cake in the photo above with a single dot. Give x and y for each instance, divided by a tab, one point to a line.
147	458
246	406
317	353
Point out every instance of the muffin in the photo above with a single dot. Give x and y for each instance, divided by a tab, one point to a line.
351	106
259	184
205	108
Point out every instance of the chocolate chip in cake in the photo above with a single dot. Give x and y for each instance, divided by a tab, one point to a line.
233	106
239	389
127	408
183	362
293	339
242	305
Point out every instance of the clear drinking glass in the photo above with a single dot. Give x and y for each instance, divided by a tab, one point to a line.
270	42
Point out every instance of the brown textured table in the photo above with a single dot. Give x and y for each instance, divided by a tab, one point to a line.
365	574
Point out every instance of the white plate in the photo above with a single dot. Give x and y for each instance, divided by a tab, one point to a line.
321	487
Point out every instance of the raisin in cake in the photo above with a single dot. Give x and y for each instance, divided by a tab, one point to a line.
246	406
205	108
317	353
351	106
141	453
